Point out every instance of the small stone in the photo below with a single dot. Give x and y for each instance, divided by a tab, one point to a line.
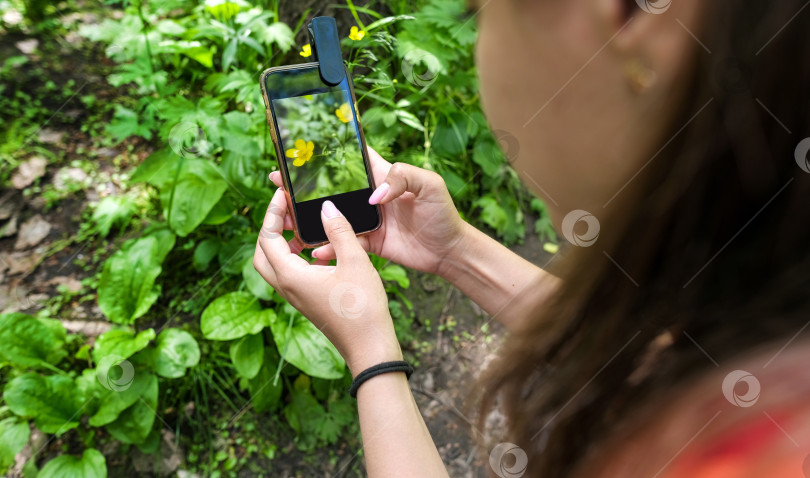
27	46
19	262
7	206
86	328
9	228
12	17
50	136
28	172
32	232
71	283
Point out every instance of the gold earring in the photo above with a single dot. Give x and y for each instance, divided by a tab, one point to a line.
640	76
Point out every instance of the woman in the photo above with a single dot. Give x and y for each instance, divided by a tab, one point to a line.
666	140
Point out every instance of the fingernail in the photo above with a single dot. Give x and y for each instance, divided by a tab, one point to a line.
330	210
315	253
378	193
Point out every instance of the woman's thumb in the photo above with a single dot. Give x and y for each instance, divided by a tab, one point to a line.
340	234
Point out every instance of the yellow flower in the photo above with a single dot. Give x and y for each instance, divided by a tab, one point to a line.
309	97
306	50
344	113
302	152
356	34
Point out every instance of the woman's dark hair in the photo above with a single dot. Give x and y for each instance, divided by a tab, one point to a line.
714	245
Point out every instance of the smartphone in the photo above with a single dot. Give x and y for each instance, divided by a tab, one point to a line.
320	148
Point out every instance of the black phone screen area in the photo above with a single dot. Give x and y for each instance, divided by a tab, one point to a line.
321	148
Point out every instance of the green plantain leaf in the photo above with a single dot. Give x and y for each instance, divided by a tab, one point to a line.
13	437
115	401
127	289
54	402
265	390
304	346
198	188
123	343
91	465
31	342
255	283
134	424
234	315
247	354
175	352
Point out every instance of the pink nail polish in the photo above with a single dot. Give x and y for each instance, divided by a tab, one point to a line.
330	210
379	193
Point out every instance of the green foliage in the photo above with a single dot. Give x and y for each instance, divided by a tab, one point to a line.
175	351
113	211
13	437
52	401
31	342
265	388
127	287
247	355
304	346
233	316
122	343
187	73
90	465
120	394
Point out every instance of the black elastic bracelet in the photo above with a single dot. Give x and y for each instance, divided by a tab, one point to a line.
385	367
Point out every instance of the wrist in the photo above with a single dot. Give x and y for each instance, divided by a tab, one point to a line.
456	263
374	355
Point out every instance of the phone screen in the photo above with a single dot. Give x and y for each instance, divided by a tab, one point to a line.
321	148
317	133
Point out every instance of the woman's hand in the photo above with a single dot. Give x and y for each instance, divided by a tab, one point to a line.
421	226
347	302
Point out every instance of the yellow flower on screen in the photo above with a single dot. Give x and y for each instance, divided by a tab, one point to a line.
306	50
344	113
301	152
356	34
309	97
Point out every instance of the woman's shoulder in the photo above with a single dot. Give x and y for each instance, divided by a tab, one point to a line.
746	419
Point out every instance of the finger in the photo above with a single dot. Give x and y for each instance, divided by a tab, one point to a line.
295	245
402	178
263	267
275	177
379	166
327	252
320	262
288	223
341	235
271	240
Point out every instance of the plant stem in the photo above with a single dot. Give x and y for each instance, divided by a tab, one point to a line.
355	15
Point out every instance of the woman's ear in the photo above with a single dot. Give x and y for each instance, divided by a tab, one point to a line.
655	39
